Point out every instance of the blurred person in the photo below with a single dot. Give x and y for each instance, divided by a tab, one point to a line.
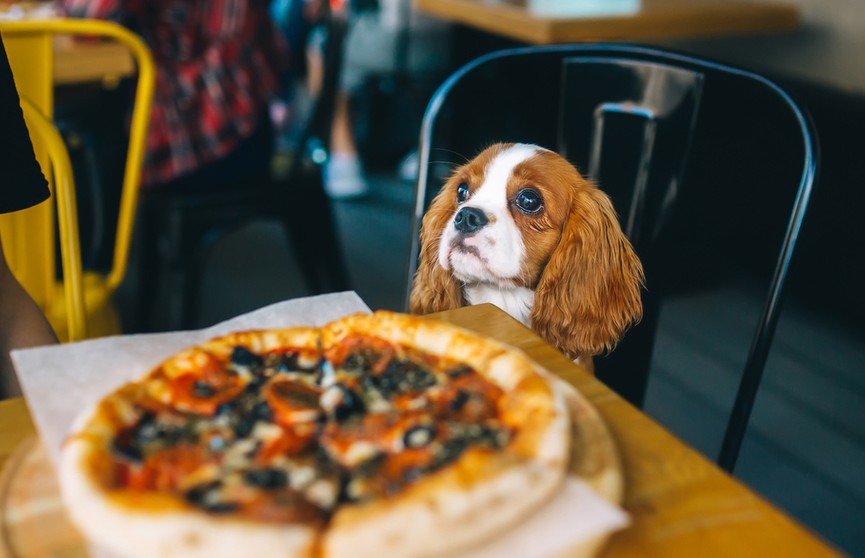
299	21
22	324
385	37
217	65
391	41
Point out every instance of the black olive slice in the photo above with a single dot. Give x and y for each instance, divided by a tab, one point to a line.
199	493
203	389
458	402
221	507
290	362
459	371
241	356
419	436
266	478
341	402
128	450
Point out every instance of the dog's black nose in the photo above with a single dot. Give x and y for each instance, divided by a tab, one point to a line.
470	219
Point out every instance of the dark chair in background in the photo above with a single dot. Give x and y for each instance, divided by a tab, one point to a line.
179	227
664	135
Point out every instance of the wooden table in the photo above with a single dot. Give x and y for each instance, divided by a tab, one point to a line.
680	503
83	62
655	19
75	61
41	61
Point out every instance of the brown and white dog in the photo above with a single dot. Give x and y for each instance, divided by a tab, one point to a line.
520	228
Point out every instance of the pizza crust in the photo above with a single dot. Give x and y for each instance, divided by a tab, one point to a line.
435	337
262	341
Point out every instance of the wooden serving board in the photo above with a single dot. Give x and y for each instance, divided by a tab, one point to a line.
33	520
34	523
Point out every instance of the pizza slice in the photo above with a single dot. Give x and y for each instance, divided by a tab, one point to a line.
482	438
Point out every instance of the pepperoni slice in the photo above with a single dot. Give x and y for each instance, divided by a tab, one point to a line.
469	398
292	402
203	394
294	440
355	442
362	354
165	470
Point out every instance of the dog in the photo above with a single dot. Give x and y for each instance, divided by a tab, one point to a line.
519	227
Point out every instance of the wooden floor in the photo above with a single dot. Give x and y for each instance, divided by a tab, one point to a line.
805	447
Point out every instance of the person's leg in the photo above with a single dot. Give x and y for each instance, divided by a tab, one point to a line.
342	134
344	176
343	173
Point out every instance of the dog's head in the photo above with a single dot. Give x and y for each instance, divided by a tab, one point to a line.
518	215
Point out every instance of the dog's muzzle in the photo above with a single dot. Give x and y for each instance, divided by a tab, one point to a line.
469	220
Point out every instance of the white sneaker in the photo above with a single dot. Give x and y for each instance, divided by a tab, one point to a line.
344	177
408	167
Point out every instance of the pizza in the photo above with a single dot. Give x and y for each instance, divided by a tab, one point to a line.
375	435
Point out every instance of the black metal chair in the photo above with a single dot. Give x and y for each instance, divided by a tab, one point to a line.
664	134
178	227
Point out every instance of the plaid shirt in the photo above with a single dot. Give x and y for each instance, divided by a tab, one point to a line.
217	66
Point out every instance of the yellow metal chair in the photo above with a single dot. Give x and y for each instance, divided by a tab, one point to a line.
32	46
54	160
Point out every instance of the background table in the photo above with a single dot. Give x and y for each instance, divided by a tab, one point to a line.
680	503
40	62
82	62
655	19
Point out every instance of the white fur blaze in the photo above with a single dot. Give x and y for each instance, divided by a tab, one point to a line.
495	253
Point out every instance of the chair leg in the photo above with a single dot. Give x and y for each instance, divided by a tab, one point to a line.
149	272
171	257
626	369
313	235
199	240
193	236
188	284
186	254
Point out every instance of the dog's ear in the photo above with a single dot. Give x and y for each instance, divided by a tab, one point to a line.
435	288
589	291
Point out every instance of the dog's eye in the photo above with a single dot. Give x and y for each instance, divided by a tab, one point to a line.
528	201
462	192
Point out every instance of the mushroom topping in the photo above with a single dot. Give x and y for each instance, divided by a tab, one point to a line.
419	436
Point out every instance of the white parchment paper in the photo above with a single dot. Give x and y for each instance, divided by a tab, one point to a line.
60	382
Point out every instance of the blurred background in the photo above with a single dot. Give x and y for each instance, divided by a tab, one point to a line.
805	447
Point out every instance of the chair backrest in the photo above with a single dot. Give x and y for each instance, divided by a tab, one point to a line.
31	45
658	131
54	161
